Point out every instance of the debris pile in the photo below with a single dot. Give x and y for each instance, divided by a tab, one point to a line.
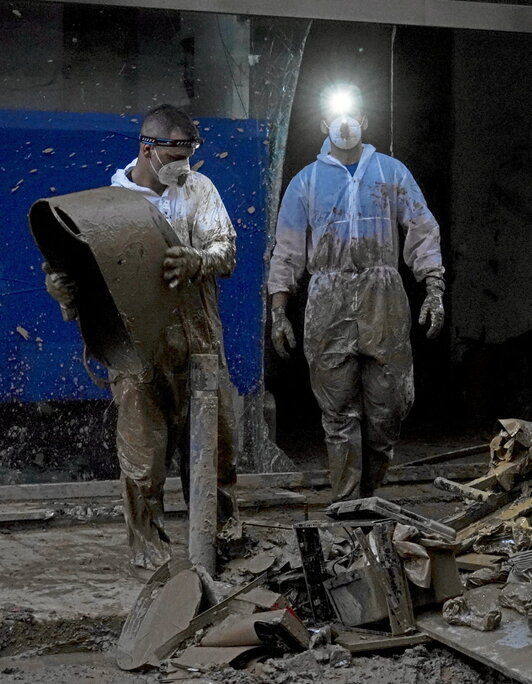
370	576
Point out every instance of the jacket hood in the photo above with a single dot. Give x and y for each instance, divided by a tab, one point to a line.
120	177
324	156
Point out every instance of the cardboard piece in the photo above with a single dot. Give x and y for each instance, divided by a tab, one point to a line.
261	597
281	627
165	606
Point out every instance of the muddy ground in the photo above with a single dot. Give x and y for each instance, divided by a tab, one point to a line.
65	584
418	665
65	591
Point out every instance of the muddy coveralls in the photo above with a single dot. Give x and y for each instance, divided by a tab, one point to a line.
153	409
344	230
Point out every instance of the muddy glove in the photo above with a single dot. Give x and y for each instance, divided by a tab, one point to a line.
282	331
62	289
433	306
181	265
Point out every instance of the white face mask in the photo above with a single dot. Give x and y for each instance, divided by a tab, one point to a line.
345	132
173	173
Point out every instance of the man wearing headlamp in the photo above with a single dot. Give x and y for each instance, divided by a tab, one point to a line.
152	409
339	220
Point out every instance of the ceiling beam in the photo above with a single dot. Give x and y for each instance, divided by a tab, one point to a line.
463	14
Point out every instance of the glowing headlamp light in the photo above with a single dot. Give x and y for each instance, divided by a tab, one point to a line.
340	102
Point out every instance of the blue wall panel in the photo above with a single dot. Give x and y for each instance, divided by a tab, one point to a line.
55	153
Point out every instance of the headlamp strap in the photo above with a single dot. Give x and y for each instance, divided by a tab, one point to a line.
169	142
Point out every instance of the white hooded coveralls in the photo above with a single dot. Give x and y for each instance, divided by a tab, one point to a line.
344	230
152	409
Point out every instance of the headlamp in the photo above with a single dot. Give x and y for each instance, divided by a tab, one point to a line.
170	142
340	102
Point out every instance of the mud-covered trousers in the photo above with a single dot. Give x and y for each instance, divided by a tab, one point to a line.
358	348
152	419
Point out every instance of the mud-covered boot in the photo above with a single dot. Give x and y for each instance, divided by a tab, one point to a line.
345	471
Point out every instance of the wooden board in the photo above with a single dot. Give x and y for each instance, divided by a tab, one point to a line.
111	488
476	561
506	649
355	642
427	473
25	515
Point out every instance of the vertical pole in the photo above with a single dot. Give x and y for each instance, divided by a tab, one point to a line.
203	460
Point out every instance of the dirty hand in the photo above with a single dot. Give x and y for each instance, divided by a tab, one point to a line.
59	286
282	331
181	264
433	307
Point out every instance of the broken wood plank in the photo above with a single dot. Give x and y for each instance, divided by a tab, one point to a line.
26	515
450	455
355	642
264	498
477	511
507	511
111	488
427	473
476	561
463	490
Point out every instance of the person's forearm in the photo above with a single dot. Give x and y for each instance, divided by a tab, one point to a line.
217	260
279	299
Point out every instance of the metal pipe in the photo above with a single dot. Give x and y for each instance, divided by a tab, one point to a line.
203	460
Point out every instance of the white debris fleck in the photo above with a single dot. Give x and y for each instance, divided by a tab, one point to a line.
48	150
23	332
223	155
251	210
197	165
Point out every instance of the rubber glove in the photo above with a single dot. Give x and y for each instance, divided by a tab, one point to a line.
282	331
62	289
181	264
433	306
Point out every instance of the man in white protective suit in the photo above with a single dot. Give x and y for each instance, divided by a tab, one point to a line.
339	219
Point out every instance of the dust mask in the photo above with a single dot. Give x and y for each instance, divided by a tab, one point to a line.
173	173
345	132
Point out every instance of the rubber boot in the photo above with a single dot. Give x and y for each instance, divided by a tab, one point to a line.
374	471
345	468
